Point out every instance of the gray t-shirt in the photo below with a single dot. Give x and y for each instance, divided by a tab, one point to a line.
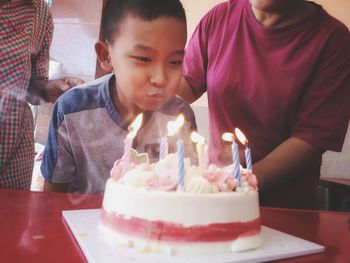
85	136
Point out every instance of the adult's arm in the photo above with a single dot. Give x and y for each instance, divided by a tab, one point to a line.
187	92
285	162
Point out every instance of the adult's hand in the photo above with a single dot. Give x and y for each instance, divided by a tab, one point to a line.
50	90
73	81
55	88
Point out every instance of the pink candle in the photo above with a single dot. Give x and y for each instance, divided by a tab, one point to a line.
126	157
133	128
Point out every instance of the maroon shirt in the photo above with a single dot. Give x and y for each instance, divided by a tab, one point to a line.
273	84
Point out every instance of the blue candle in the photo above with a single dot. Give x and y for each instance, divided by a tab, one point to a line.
248	158
236	162
163	149
181	162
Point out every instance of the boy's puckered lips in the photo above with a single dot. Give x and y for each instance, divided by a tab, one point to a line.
156	95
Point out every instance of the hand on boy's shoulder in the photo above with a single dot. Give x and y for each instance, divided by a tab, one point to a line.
55	88
73	81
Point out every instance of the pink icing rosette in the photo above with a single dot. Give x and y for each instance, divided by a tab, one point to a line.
250	178
220	177
161	183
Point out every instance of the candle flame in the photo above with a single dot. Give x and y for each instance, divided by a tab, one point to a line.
241	136
228	137
135	126
197	138
174	126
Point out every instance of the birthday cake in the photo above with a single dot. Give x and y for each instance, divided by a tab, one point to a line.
209	211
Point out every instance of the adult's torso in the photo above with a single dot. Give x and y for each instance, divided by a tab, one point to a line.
256	77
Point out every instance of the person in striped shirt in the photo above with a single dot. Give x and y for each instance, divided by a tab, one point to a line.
26	29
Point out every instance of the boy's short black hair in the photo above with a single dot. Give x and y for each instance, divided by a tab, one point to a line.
116	10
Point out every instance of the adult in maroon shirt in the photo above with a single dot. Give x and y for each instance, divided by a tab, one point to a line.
280	71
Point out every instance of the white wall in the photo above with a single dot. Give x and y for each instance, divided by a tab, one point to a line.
77	28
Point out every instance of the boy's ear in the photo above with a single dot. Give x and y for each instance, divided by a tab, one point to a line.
103	57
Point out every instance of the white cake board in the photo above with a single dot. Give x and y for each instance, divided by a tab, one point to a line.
276	245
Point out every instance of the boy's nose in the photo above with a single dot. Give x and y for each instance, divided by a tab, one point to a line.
158	77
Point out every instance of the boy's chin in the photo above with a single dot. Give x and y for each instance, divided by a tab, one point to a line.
152	108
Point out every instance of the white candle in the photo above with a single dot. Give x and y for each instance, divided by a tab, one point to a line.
206	156
200	145
173	128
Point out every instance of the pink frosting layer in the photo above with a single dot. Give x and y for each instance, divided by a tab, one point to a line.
166	231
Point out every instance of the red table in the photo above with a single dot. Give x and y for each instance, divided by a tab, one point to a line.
32	228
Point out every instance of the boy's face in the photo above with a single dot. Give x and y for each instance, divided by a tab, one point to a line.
146	57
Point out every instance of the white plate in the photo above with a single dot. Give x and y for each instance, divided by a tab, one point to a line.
276	245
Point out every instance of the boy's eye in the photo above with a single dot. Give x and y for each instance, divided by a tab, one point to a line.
142	59
176	62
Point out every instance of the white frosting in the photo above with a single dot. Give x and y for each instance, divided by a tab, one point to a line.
181	207
136	178
198	184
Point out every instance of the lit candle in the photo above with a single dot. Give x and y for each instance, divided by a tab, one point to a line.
163	148
181	161
133	128
199	140
244	141
206	156
229	137
173	128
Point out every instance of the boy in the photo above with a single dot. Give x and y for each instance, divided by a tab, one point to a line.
89	124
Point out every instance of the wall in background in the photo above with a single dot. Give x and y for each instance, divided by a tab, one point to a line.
77	27
337	8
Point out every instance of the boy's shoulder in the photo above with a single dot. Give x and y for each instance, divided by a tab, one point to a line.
89	95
